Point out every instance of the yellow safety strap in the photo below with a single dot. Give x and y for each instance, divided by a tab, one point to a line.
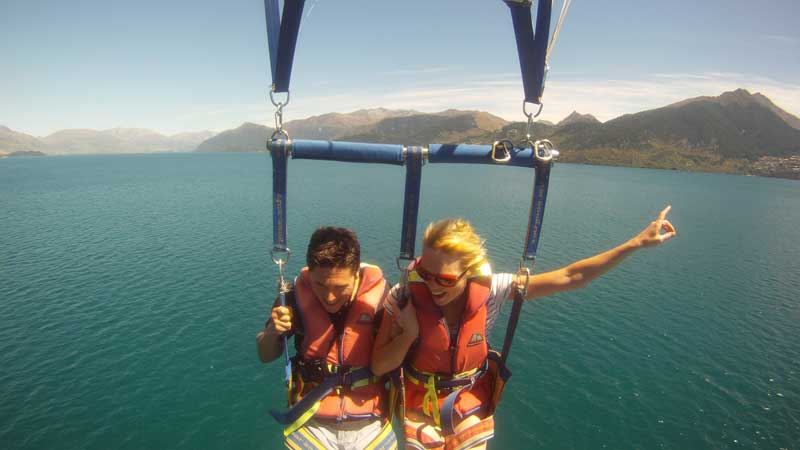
457	376
430	402
314	408
380	441
302	419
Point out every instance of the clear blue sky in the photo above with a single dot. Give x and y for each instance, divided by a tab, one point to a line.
179	65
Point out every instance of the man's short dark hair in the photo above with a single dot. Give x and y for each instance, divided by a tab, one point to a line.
334	247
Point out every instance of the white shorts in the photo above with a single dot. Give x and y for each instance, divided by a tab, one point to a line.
347	435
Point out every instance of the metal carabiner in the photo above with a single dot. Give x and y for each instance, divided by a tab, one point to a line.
523	271
404	292
280	132
278	113
530	115
276	103
275	138
279	118
505	146
544	150
277	260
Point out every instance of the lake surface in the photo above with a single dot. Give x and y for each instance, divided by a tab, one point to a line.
132	287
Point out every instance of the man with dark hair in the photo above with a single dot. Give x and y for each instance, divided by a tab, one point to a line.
333	312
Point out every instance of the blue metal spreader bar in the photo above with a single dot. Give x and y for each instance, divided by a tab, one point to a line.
347	152
394	153
477	154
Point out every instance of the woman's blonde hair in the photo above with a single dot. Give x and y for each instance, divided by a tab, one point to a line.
456	236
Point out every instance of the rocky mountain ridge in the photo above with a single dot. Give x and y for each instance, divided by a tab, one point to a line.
735	132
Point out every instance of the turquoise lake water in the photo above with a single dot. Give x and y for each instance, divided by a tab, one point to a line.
132	287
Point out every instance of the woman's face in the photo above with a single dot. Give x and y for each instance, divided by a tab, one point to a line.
439	269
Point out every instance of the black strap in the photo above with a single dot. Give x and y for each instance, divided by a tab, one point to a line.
513	319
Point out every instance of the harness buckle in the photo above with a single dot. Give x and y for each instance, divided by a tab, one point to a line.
314	370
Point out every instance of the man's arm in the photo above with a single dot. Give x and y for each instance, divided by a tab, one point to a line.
269	341
581	273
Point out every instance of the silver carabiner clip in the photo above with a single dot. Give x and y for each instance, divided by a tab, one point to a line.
544	150
504	146
276	103
531	115
523	273
277	259
279	132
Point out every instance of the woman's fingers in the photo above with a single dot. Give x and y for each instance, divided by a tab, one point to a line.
663	214
669	230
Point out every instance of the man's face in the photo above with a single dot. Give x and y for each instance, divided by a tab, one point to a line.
333	286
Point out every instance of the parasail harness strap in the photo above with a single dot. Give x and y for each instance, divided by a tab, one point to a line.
543	153
282	39
532	47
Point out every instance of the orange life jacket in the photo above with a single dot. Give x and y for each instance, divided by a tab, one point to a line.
352	349
436	354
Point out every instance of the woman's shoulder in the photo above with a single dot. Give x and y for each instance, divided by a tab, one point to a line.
502	283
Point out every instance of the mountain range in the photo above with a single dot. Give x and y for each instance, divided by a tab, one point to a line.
115	140
736	132
370	125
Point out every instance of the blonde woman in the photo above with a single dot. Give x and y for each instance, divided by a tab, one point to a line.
452	380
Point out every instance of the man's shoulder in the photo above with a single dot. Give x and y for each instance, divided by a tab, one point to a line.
371	271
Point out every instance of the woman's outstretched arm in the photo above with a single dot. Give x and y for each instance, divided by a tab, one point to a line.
581	273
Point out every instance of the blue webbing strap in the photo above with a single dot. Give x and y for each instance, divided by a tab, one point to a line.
408	233
532	49
273	14
540	184
279	149
319	392
282	39
448	409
